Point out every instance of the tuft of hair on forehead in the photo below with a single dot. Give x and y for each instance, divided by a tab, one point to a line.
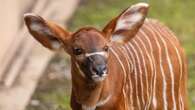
89	39
88	30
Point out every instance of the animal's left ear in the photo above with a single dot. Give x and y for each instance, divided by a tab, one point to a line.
126	25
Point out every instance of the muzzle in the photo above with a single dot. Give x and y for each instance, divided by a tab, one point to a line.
96	67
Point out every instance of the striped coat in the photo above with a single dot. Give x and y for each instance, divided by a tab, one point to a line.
154	68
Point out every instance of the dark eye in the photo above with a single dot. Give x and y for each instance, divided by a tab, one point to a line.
77	51
106	48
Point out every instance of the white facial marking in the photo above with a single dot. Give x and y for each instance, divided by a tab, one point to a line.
104	73
98	78
96	53
99	103
80	71
84	107
94	75
102	102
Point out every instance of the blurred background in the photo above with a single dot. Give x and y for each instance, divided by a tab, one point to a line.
49	82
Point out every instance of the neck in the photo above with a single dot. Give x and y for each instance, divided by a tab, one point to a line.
89	93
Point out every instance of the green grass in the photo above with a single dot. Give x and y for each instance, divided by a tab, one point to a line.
177	14
52	94
55	100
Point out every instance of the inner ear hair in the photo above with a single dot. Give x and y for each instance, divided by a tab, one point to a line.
126	25
43	31
132	17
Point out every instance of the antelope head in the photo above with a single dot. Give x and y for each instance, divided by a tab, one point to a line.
89	47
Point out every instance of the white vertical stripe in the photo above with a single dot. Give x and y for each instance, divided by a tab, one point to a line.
136	75
79	69
129	56
130	69
153	69
120	62
182	104
123	68
162	72
179	59
169	65
167	29
126	76
141	72
150	61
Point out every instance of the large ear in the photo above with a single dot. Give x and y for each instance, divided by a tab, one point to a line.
47	33
126	25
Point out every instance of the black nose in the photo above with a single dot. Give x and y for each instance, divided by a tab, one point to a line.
100	69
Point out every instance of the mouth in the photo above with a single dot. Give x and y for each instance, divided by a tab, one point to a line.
98	78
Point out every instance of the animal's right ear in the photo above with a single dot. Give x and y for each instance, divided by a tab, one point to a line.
47	33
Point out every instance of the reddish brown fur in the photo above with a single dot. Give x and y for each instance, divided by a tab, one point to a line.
114	82
135	67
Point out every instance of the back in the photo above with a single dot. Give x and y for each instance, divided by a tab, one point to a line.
154	65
